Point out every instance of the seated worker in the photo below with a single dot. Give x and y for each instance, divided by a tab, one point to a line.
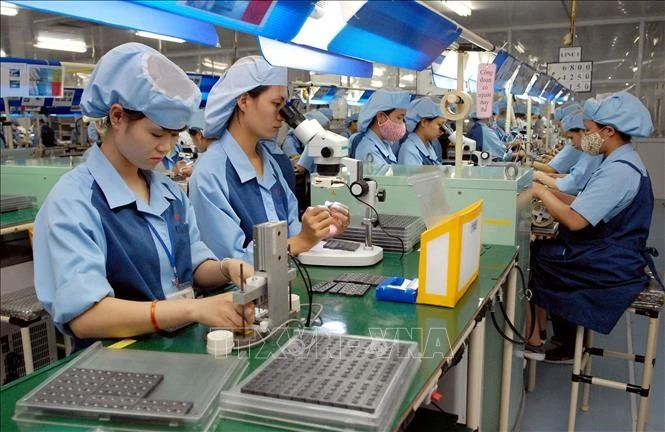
238	183
488	140
423	121
380	123
594	269
292	145
351	124
113	238
581	172
568	156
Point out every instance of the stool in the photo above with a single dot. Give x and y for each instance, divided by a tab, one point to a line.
649	303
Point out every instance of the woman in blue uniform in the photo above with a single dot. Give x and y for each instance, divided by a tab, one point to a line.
380	123
581	172
423	121
114	238
351	125
567	157
238	183
594	270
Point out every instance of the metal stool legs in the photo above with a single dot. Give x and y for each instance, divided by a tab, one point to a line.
575	387
647	375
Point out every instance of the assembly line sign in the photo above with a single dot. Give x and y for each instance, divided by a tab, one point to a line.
576	76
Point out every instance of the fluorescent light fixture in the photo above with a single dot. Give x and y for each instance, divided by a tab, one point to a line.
149	35
3	53
8	9
408	77
519	47
325	22
635	68
209	63
64	43
376	83
461	8
379	71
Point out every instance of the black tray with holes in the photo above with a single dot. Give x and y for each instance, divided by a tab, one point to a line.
150	390
339	382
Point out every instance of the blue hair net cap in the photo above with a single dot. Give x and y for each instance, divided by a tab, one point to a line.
244	75
318	116
381	100
419	109
350	119
327	112
140	78
623	111
572	121
499	105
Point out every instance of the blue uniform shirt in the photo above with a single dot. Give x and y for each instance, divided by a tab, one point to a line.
611	188
292	145
563	161
416	152
80	231
580	174
229	198
372	147
172	158
487	140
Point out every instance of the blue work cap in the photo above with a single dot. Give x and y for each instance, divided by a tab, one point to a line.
381	100
244	75
566	109
140	78
318	116
622	111
423	108
327	112
499	105
572	121
350	119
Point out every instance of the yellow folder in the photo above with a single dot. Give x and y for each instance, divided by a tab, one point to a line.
450	257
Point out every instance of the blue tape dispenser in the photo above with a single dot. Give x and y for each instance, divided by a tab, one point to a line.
398	289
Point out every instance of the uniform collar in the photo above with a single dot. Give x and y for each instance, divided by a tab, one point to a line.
424	148
241	163
620	152
383	147
116	191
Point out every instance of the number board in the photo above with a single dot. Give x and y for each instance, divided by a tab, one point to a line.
575	76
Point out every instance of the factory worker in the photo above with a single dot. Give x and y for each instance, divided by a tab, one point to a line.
238	183
568	156
292	145
423	122
581	172
380	124
499	108
520	116
594	269
113	238
488	140
351	125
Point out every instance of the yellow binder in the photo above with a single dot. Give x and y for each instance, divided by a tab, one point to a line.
450	257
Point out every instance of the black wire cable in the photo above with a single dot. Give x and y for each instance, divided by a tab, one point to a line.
308	286
378	221
522	340
438	407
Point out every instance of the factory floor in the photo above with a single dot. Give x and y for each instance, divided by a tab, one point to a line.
610	410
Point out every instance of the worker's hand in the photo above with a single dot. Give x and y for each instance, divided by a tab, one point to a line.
539	176
537	190
231	270
316	223
186	171
340	220
546	158
178	167
219	311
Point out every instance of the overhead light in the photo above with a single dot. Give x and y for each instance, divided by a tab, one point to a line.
327	20
64	43
209	63
379	71
8	9
655	41
376	83
461	8
519	47
635	68
3	53
149	35
407	77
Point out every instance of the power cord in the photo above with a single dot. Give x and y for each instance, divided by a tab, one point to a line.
304	275
378	221
522	340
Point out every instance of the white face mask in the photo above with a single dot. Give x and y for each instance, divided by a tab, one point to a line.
592	143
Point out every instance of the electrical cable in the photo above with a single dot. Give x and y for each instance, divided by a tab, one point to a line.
378	220
522	340
318	314
438	407
308	285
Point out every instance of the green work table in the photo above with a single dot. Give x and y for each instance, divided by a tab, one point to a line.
16	221
440	333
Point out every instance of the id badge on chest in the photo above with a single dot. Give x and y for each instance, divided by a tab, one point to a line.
185	291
